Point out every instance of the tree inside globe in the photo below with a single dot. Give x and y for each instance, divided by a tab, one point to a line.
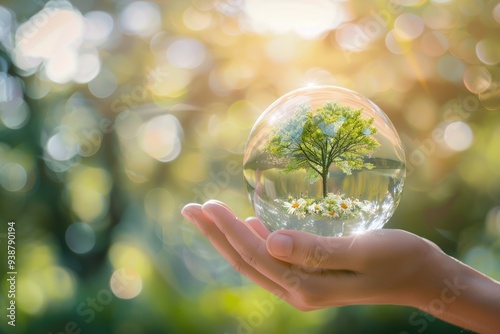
324	160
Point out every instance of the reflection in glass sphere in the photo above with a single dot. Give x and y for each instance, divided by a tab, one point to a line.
324	160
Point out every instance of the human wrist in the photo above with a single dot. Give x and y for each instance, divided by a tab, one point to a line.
478	306
438	283
463	296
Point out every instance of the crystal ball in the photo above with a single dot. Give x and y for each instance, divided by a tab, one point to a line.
324	160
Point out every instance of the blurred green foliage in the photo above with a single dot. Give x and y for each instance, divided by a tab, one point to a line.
114	114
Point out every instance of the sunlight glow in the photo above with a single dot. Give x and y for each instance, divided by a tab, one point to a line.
308	19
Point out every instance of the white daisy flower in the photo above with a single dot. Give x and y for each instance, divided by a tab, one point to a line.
294	206
334	206
345	204
315	208
330	214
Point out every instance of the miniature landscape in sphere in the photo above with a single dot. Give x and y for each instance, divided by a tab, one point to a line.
324	160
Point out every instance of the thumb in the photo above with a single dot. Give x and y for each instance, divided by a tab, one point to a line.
311	250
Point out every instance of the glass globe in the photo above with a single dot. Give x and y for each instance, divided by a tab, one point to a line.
324	160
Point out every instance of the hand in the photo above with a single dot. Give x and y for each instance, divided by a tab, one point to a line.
312	272
376	267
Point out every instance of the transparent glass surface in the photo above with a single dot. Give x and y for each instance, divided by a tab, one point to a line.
324	160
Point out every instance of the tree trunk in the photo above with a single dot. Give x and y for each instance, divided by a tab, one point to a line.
325	179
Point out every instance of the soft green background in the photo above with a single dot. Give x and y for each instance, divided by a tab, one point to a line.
99	153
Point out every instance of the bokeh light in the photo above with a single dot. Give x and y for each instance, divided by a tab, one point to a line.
32	300
161	138
61	67
438	17
61	146
395	45
103	85
421	113
140	18
496	13
434	43
6	20
477	79
9	88
490	98
98	27
58	283
458	136
80	237
159	204
359	36
123	255
186	53
408	26
196	20
173	84
282	49
52	35
481	259
89	66
88	192
13	177
126	283
488	51
14	114
450	68
493	222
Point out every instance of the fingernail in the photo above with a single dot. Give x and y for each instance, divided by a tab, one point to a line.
209	206
280	244
188	213
206	208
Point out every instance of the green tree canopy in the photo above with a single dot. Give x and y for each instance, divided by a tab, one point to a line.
331	134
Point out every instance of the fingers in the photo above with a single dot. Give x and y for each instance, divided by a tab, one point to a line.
310	271
309	250
277	261
258	227
194	213
248	245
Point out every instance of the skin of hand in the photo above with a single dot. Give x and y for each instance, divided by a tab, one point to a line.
376	267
